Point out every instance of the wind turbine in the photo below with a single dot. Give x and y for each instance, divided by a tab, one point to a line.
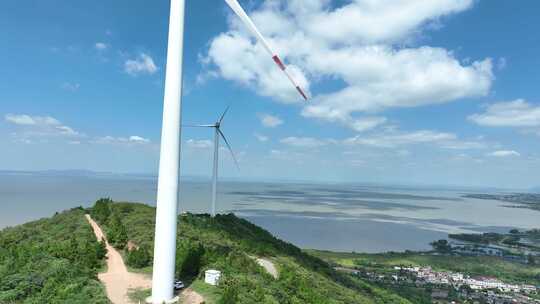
169	163
217	134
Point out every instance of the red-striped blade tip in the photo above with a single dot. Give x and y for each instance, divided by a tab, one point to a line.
302	93
279	62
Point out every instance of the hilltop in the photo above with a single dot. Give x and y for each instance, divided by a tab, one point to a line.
53	260
56	260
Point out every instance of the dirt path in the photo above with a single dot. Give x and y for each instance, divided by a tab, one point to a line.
189	296
269	266
117	279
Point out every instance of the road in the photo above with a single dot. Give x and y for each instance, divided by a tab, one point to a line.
118	280
269	266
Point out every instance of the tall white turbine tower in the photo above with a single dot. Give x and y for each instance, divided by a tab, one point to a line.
169	164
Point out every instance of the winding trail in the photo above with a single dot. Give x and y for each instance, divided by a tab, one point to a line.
268	266
118	280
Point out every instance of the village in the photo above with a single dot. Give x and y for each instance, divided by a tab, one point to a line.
453	287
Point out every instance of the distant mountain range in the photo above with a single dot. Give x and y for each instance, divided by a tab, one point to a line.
65	173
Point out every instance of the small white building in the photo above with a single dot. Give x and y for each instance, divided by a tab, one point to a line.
212	277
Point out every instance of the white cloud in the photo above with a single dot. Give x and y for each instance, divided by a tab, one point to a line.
303	142
359	124
65	130
505	153
375	21
73	87
199	144
517	113
131	140
39	126
359	44
43	128
392	138
101	46
144	64
26	120
261	138
138	139
270	121
395	139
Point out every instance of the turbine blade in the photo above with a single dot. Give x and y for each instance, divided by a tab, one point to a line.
229	147
200	126
224	113
241	13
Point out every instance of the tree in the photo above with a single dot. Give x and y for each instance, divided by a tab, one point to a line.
189	260
138	258
101	249
102	210
230	293
531	260
117	233
442	246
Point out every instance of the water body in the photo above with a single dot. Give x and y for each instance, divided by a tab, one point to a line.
340	217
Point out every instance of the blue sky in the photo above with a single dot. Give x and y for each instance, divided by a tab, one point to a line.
438	92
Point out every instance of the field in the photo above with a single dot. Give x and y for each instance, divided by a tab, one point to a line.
474	266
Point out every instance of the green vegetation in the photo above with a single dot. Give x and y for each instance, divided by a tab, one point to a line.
228	243
485	238
56	261
139	295
442	246
114	228
514	241
138	258
51	261
210	293
476	266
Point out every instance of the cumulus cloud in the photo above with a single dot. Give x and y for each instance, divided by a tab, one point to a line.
101	46
517	113
33	129
303	142
39	126
27	120
505	153
133	140
261	138
395	139
138	139
199	143
73	87
143	64
270	121
391	138
359	44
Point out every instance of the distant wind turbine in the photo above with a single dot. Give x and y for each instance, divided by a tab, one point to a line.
167	193
217	134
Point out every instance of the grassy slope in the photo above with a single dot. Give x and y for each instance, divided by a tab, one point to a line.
481	266
228	243
50	261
